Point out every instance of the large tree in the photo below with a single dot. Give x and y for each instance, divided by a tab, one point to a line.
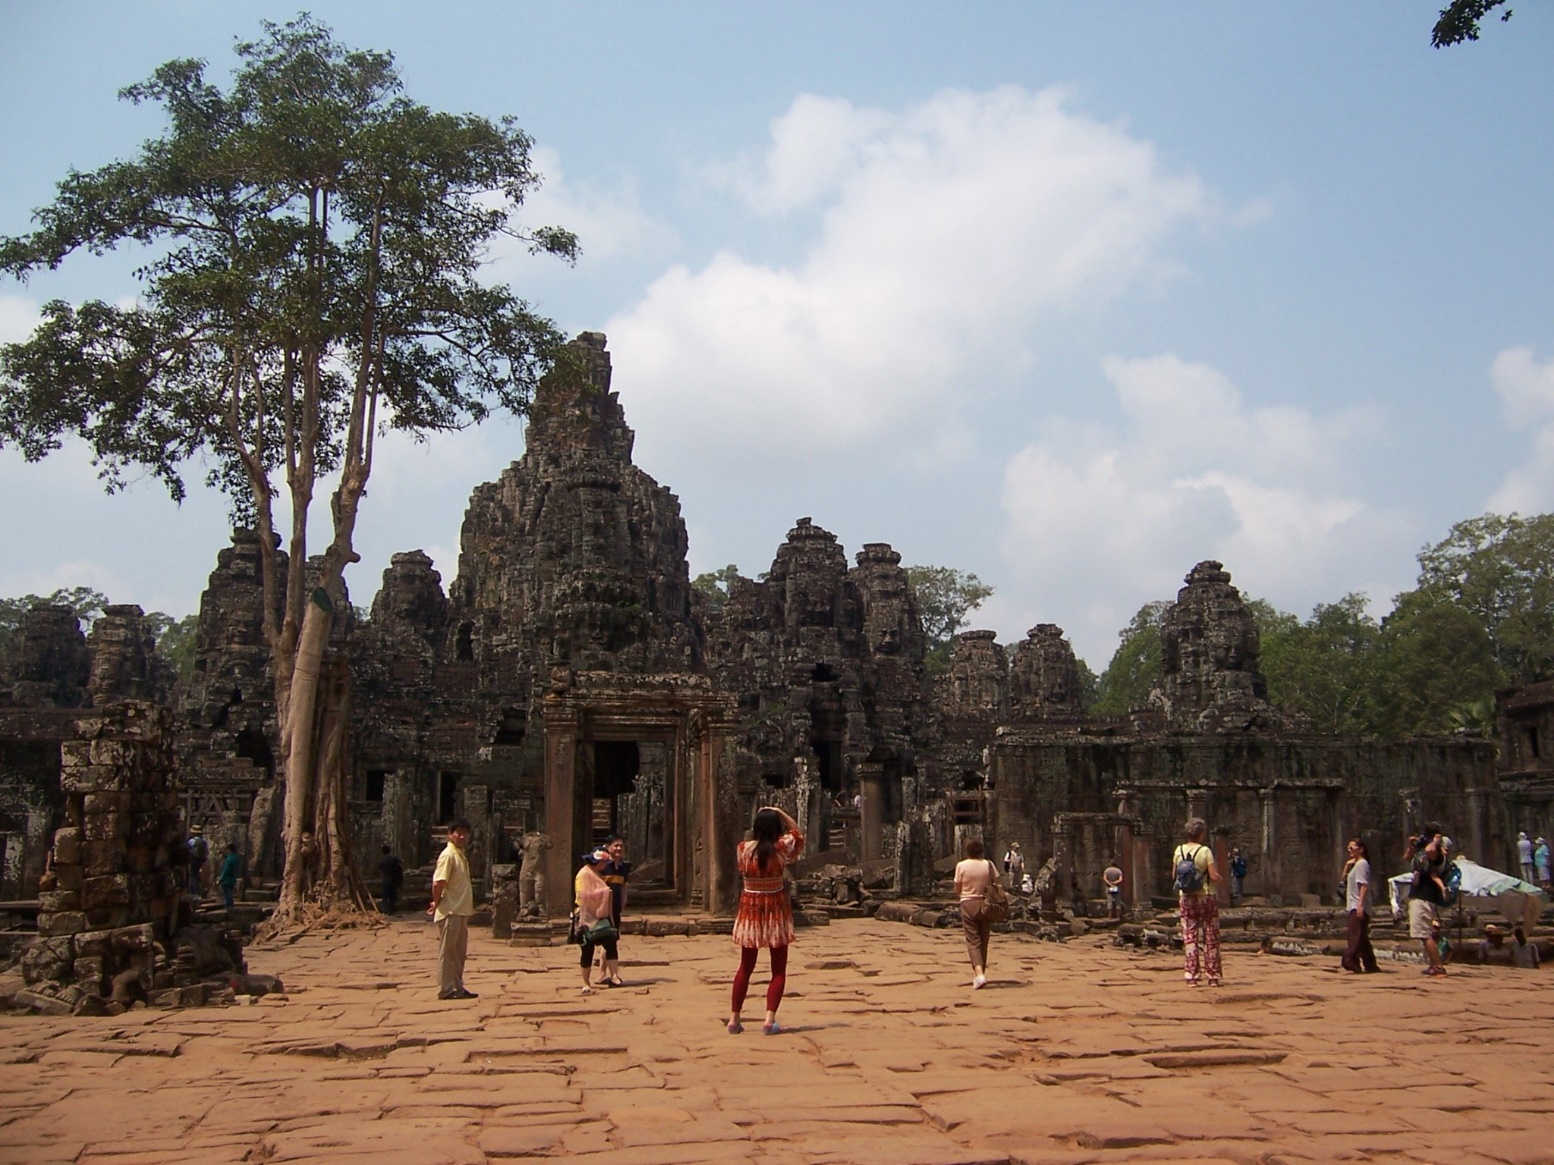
1459	21
945	597
1134	670
314	240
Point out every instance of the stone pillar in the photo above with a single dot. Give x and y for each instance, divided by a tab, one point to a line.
1269	844
871	782
560	816
1198	803
39	821
1478	835
1125	864
1142	883
397	816
475	803
1221	847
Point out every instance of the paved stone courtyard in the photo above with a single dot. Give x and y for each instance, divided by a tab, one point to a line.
1080	1052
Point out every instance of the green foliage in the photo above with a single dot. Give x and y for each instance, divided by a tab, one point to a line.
1501	569
1438	669
316	238
84	601
945	597
1134	669
176	640
716	584
1327	667
1460	19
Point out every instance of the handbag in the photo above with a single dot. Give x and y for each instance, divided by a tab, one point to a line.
603	931
574	929
995	898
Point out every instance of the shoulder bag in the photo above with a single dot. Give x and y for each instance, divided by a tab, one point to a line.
995	897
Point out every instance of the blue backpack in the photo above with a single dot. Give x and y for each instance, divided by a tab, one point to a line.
1189	878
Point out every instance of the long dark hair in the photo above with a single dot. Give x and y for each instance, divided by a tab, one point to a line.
1359	844
767	829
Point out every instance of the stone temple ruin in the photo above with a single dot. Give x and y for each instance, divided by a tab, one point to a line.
571	681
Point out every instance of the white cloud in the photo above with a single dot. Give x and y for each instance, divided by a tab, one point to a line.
945	232
18	317
1101	521
1526	390
609	222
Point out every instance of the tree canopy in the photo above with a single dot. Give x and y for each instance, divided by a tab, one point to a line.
945	597
315	243
1459	21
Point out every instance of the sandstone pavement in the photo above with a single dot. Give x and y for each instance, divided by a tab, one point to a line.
1073	1053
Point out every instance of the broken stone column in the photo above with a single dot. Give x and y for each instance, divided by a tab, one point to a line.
115	896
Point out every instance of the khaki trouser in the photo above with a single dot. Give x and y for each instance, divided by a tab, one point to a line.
977	927
452	946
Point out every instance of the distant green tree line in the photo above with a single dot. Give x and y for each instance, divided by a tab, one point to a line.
174	637
1481	617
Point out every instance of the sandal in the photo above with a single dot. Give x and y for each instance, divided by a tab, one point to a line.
771	1029
735	1027
587	991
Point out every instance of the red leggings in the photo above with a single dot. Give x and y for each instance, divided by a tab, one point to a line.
747	965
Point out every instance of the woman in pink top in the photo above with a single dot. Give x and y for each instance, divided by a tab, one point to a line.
973	875
765	917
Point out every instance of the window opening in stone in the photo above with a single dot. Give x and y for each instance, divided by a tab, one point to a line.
510	730
828	762
775	778
823	674
447	797
466	643
375	782
252	745
1532	744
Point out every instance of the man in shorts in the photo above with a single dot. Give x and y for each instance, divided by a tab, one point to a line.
1427	855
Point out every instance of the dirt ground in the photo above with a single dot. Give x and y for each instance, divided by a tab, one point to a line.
1072	1053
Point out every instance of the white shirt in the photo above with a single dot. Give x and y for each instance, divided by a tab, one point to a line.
1524	851
1359	875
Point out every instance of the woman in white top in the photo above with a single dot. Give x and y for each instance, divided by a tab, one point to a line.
1359	956
972	878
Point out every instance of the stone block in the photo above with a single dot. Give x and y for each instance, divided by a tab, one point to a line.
39	1002
110	802
47	958
134	939
88	974
92	778
110	890
75	753
105	826
108	916
65	923
67	846
68	877
92	943
91	1004
663	927
103	857
55	901
114	752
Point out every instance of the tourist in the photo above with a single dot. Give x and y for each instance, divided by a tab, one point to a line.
1196	877
1427	894
615	869
1524	852
1492	942
1523	953
1359	955
453	901
1014	865
595	905
1237	875
391	876
1112	876
1540	861
765	916
199	854
972	877
226	877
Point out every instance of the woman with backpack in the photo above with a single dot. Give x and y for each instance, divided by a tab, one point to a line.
1196	877
973	877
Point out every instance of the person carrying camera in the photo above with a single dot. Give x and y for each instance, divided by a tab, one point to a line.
1426	854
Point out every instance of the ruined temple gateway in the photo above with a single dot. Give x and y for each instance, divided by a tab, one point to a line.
572	681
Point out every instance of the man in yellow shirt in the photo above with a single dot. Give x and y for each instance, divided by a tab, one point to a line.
453	901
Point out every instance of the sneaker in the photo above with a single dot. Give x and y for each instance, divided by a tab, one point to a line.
979	982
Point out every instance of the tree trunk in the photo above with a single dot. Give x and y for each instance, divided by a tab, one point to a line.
302	729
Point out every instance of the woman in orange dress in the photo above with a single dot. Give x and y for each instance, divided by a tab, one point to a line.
765	917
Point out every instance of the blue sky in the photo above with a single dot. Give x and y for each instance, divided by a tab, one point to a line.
1069	295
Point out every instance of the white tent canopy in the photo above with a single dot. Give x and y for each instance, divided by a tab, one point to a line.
1477	881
